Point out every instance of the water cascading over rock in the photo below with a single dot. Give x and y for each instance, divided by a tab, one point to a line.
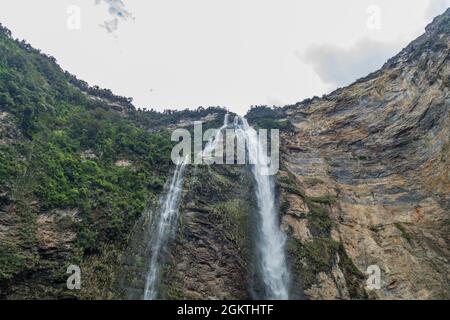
270	238
163	228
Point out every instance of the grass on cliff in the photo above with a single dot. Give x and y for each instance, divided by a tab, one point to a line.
318	206
233	220
320	253
69	142
404	233
265	117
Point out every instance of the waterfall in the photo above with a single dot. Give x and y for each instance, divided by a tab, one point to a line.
165	224
212	143
270	240
163	228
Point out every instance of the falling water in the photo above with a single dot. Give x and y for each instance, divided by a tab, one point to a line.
271	240
163	229
165	224
214	141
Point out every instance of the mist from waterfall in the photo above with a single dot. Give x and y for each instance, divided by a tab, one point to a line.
270	240
163	228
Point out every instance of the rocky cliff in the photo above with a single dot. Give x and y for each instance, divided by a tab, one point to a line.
363	181
78	166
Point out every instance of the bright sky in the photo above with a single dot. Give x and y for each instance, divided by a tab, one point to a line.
232	53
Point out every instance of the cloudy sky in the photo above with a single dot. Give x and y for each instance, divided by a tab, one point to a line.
232	53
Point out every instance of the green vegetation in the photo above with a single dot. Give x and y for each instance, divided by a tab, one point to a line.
319	218
311	258
422	65
274	124
404	233
320	254
353	277
12	259
233	219
71	137
229	210
174	291
323	200
268	118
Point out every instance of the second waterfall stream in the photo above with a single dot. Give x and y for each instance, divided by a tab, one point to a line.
270	238
163	228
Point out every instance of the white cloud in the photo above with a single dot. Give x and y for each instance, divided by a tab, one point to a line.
231	53
340	66
435	8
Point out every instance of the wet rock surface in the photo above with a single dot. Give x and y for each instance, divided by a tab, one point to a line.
212	252
364	181
374	156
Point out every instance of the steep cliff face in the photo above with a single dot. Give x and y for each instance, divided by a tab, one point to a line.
211	256
78	165
365	179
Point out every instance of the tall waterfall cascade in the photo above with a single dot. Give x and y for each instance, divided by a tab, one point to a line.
163	228
166	222
214	141
270	238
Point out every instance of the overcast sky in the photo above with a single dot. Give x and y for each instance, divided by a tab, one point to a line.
232	53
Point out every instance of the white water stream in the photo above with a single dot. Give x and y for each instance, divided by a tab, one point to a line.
270	240
163	229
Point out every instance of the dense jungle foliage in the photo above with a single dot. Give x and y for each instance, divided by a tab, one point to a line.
67	146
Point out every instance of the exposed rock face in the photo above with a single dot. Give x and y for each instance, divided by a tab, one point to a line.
211	256
27	235
364	180
8	129
48	237
366	173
